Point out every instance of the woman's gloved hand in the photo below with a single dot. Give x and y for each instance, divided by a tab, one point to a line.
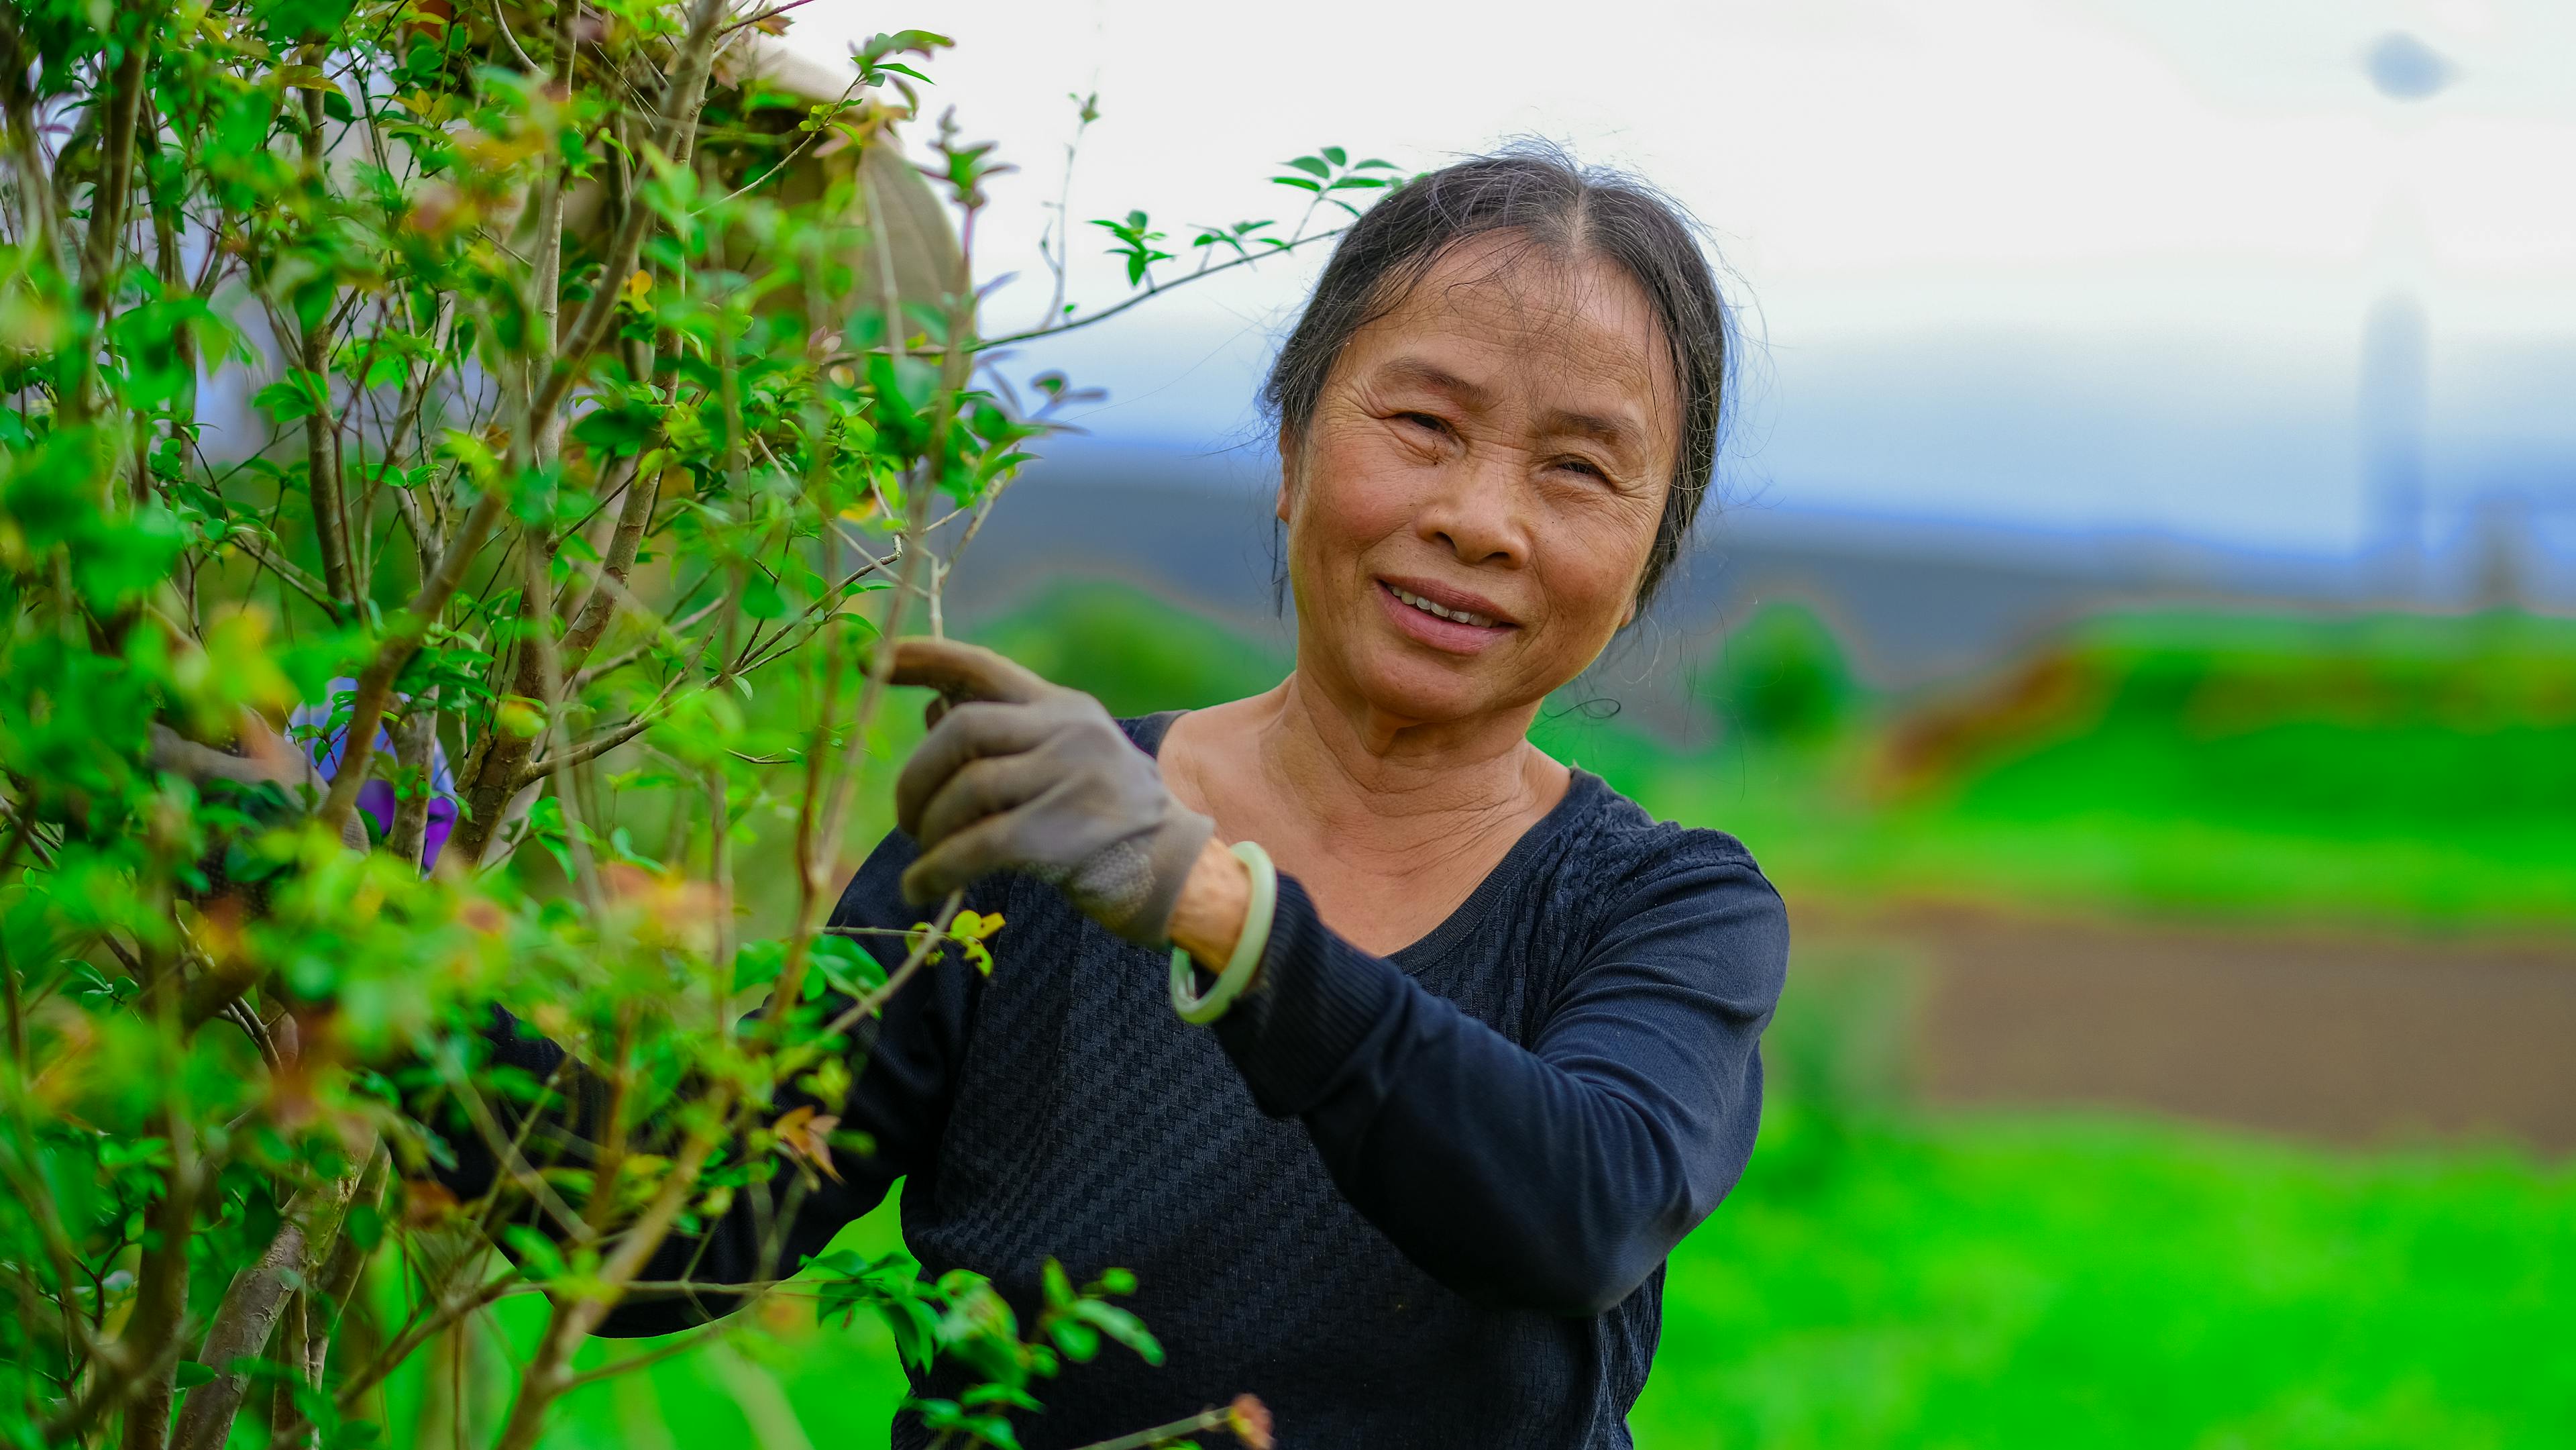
1022	775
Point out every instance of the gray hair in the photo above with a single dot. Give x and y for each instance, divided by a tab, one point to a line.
1567	209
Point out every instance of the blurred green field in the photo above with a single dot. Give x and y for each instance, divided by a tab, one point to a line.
2393	772
1887	1276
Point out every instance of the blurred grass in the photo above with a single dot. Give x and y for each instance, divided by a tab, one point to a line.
2410	772
1885	1277
1819	837
2038	1282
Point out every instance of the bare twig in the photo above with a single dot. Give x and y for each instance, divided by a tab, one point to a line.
287	570
324	1308
122	106
1249	1421
450	1309
771	13
253	1304
540	644
1059	258
577	1313
508	1160
1149	294
375	686
677	1344
633	516
681	98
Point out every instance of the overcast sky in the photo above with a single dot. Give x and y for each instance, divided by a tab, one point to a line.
2065	264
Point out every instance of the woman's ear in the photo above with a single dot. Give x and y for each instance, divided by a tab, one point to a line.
1288	451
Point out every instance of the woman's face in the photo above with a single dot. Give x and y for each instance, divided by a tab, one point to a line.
1471	507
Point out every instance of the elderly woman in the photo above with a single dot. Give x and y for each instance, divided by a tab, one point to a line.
1456	1043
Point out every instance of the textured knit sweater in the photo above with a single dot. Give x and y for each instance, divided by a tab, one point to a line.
1414	1200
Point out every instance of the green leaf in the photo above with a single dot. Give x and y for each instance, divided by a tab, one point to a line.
613	430
1079	1341
915	1329
1122	1326
189	1374
538	1257
758	963
299	394
1312	166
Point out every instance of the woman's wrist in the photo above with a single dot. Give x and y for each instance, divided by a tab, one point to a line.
1207	921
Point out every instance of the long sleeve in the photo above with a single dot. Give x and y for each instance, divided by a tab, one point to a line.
899	1097
1555	1177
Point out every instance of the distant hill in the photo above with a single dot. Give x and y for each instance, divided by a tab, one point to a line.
1916	604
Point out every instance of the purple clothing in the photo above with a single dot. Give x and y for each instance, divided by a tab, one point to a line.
376	799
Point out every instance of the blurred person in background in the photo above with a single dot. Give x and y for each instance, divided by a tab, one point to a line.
1479	1041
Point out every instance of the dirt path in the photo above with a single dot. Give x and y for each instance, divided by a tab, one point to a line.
2353	1039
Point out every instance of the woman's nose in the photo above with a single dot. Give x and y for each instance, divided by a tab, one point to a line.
1479	511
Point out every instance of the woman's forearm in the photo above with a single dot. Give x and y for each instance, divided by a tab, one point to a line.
1208	919
1553	1176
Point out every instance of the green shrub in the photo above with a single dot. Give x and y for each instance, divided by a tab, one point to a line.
606	398
1135	652
1781	677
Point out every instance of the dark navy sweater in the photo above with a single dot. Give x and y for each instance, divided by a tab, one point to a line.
1417	1200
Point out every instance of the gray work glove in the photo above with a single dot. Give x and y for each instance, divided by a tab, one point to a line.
259	762
1021	775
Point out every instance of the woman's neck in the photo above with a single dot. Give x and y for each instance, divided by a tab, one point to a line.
1370	787
1389	824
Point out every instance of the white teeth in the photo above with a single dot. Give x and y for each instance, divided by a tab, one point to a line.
1427	607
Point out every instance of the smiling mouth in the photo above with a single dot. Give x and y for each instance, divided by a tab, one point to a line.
1441	611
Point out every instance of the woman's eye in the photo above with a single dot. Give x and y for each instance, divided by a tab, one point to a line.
1422	420
1583	466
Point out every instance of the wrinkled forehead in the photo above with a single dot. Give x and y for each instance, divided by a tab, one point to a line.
1530	324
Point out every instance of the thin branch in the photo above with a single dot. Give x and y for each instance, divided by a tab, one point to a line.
634	516
540	643
1059	259
375	686
799	149
507	1157
1160	1434
501	16
769	14
681	100
1149	294
677	1344
590	749
883	993
617	735
108	1393
395	1355
122	105
544	1380
255	1300
288	571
